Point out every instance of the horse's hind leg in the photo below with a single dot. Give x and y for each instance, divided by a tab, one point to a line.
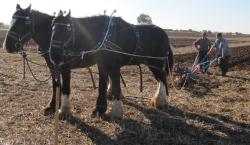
159	99
117	106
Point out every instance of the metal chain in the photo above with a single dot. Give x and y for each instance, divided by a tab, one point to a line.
26	61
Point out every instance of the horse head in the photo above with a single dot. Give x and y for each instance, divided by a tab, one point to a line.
61	38
20	30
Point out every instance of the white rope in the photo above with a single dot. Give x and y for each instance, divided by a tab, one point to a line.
107	32
134	55
83	53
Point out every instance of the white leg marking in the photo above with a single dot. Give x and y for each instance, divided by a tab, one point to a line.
4	44
117	109
65	107
159	99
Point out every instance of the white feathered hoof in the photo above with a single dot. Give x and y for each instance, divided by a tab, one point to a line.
116	111
65	112
64	115
159	99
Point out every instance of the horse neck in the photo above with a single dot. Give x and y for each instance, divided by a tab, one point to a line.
42	29
89	31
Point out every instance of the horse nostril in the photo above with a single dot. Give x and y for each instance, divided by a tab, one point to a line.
18	45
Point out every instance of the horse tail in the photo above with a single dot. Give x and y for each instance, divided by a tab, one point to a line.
170	60
170	57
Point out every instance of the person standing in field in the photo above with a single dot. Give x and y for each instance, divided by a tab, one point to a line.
203	46
222	53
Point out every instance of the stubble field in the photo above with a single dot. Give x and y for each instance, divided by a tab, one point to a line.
217	111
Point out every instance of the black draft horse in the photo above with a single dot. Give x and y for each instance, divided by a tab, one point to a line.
103	34
29	24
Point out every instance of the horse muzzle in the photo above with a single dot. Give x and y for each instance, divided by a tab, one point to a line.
11	46
18	46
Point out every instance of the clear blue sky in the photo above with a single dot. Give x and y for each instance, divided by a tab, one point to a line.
215	15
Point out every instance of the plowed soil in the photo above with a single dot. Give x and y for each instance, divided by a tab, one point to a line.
217	111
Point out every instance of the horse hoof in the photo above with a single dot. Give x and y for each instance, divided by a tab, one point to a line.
97	114
159	100
64	115
157	105
49	111
94	114
116	111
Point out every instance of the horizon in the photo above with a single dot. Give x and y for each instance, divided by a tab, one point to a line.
217	16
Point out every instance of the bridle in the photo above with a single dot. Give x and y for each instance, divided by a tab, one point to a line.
64	44
21	39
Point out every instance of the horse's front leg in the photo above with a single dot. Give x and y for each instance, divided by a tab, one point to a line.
101	103
117	106
51	107
65	111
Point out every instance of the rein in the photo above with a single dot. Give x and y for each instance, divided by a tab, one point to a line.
27	61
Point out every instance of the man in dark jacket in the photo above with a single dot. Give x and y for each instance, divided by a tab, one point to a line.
203	45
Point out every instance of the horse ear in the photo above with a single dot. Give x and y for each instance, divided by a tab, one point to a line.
29	8
18	7
60	13
69	14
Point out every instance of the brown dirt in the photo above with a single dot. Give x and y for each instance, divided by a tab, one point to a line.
215	114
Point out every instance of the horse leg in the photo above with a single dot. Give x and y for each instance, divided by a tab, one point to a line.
101	103
64	111
116	110
110	90
159	99
51	107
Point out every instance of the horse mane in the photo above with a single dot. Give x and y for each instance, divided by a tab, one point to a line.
99	17
40	14
88	19
41	17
